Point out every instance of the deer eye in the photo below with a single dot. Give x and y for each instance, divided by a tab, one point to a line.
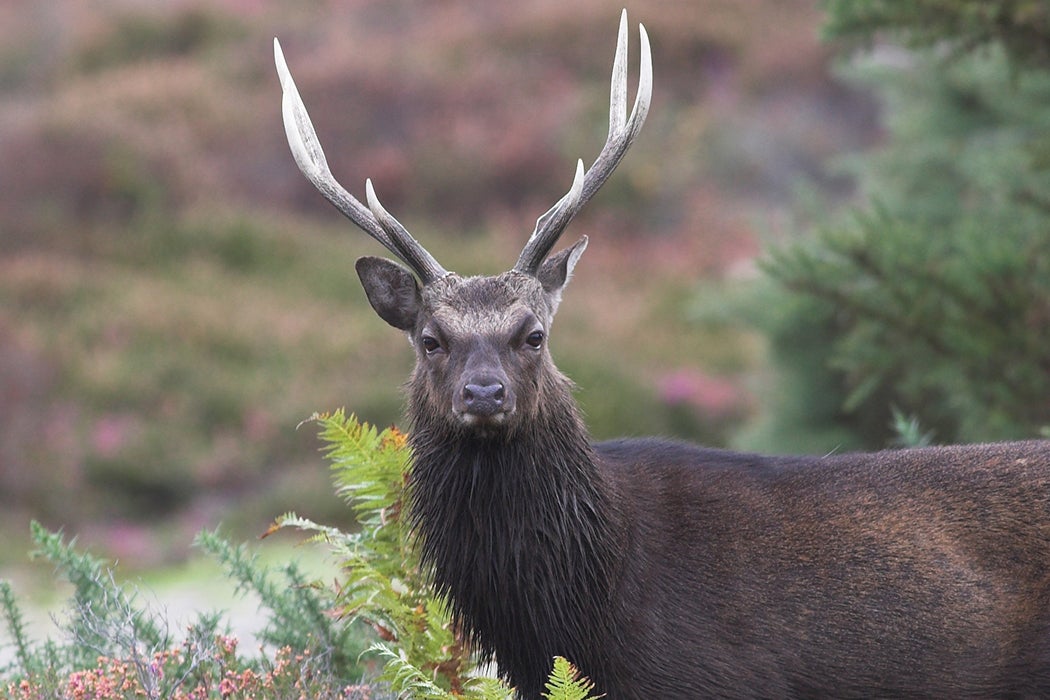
535	339
430	344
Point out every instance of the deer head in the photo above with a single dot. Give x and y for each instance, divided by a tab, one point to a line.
480	342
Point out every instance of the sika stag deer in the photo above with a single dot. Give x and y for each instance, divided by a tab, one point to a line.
668	570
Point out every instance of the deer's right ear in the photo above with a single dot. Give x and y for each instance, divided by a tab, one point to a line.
556	270
392	291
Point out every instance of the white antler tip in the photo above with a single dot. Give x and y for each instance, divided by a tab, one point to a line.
302	139
645	79
282	65
373	201
577	185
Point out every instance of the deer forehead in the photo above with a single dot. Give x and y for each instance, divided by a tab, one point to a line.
484	305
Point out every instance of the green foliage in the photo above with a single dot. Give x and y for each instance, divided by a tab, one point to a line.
804	406
16	628
1022	26
935	297
909	431
298	608
566	684
105	619
945	326
116	645
384	584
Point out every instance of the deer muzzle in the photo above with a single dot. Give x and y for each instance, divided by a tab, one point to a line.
484	398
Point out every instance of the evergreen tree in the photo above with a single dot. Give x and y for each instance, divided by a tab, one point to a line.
1021	27
934	297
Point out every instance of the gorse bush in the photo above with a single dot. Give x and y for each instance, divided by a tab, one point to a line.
319	641
114	644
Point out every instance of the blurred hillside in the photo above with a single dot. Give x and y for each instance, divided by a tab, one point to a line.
175	298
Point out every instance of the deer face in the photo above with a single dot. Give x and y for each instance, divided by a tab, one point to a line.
481	351
480	342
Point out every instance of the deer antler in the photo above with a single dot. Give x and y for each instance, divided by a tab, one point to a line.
622	132
374	219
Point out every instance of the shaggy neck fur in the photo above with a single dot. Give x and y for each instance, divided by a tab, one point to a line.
516	527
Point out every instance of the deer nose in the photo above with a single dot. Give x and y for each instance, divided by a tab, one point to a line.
484	399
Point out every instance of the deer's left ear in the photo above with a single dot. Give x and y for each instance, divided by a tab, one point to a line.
556	270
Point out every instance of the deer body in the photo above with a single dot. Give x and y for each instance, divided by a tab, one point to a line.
898	574
667	570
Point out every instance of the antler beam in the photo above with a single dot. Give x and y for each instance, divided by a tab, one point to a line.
373	219
622	132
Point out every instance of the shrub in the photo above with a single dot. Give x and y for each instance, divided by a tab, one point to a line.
315	643
114	645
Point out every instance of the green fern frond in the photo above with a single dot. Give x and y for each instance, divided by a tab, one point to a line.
322	534
405	678
369	466
566	683
384	584
488	688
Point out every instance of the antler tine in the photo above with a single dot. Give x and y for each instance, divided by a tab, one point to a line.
622	132
375	221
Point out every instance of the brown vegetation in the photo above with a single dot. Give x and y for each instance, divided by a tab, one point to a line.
174	297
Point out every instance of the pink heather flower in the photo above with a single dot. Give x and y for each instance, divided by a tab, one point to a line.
227	644
111	434
227	687
712	395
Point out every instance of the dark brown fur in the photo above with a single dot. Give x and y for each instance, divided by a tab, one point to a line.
667	570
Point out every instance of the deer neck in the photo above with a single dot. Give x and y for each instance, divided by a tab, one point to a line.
518	529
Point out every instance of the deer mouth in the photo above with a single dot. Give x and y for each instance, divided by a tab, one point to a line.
487	420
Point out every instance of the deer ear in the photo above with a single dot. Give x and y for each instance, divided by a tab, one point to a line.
556	270
392	291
